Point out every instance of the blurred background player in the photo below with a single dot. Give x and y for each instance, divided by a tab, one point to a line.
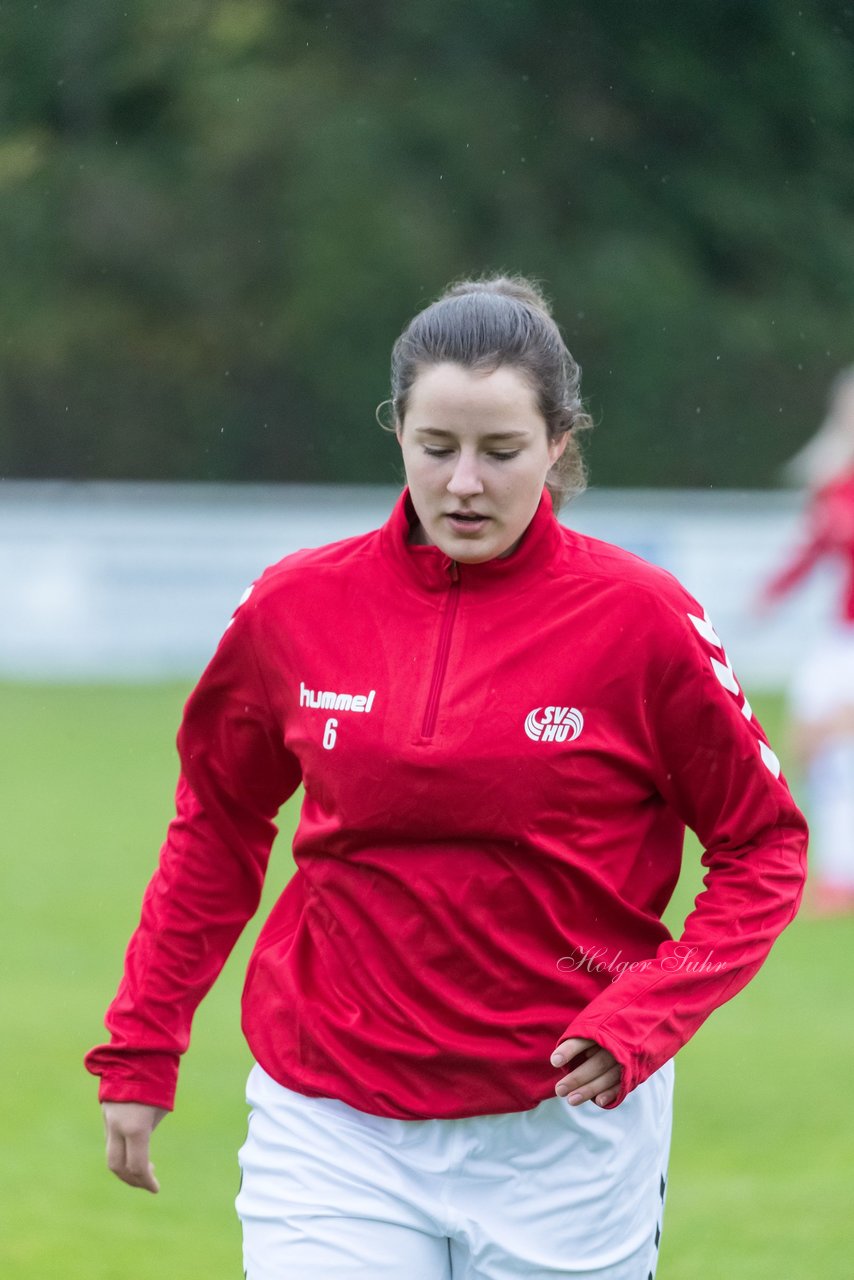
821	697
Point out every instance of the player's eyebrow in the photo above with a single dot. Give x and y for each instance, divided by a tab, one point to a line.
490	435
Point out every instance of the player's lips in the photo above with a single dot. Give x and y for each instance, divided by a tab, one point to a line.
466	521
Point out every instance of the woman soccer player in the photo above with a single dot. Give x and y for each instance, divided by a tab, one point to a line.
464	1006
822	691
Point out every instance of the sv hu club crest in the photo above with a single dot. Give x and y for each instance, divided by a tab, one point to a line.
554	724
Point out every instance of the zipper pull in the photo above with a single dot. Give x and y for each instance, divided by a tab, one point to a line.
453	571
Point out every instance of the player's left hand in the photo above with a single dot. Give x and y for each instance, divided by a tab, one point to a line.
595	1073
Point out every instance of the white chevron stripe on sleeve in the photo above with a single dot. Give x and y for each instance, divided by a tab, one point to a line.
769	759
726	676
706	630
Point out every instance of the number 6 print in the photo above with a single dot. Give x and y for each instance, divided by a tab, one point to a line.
330	734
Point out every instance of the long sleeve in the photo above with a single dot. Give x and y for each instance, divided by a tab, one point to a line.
235	775
829	531
799	565
715	768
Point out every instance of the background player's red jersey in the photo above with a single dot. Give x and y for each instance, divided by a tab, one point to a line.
830	532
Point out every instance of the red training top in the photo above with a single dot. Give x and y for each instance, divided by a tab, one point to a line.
498	760
830	532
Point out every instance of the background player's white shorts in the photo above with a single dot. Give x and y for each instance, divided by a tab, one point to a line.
823	685
558	1191
824	682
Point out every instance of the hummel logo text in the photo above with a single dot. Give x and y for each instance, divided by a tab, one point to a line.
336	701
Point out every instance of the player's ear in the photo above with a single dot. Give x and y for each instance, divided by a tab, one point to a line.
557	444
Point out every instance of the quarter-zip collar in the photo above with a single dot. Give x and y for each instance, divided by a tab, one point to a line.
429	568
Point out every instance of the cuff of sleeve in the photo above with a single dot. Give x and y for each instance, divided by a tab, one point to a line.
149	1078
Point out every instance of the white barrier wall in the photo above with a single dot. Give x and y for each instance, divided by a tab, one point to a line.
136	582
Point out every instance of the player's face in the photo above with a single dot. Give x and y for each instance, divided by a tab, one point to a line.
476	453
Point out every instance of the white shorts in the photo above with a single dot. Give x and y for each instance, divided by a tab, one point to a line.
558	1191
824	681
824	685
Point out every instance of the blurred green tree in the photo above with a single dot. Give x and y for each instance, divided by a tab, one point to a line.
216	216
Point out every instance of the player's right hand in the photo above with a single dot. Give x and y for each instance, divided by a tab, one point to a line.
129	1126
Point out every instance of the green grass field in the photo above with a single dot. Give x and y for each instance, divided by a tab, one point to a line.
760	1184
